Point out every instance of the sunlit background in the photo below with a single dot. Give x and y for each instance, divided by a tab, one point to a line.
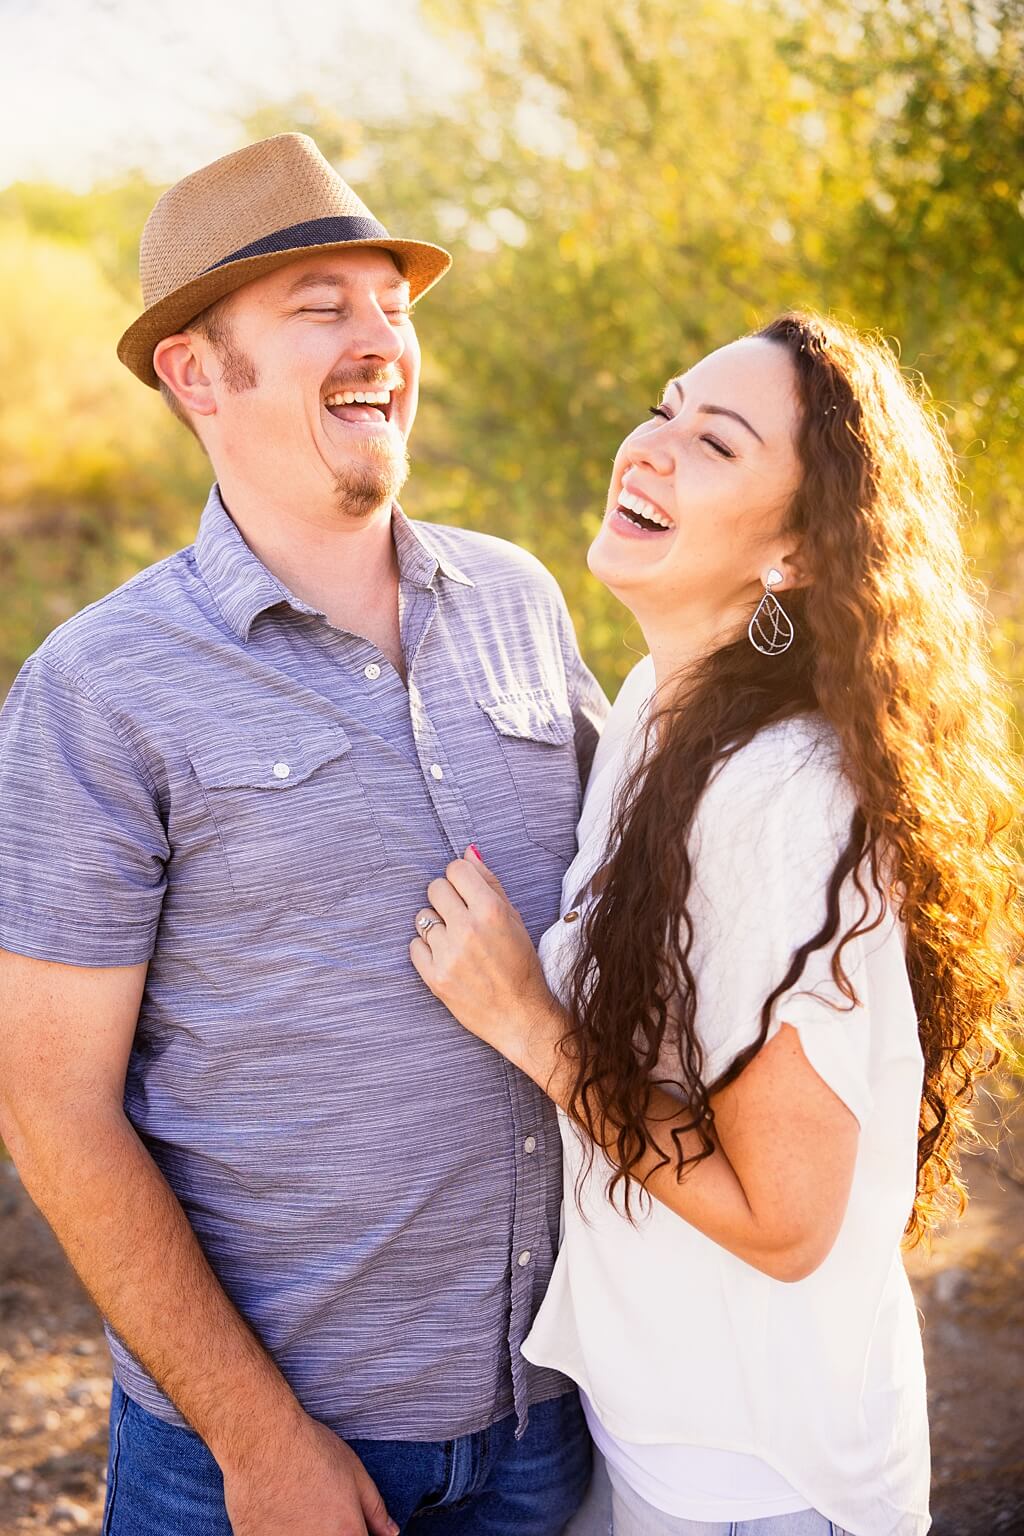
623	182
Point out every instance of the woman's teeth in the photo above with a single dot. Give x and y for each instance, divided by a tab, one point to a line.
643	509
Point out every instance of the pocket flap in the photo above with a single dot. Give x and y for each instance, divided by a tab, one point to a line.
271	759
533	715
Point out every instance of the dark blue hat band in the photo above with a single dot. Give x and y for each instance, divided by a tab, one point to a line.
312	232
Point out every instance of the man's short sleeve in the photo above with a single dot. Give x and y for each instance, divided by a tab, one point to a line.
83	849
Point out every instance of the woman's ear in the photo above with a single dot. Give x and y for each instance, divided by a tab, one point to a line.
179	366
789	564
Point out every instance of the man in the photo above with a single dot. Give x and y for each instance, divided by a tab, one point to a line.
316	1214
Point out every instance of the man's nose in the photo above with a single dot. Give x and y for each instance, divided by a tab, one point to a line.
374	336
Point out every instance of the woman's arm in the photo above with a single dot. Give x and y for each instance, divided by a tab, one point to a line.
775	1189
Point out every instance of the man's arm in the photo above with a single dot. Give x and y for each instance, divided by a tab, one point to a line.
65	1036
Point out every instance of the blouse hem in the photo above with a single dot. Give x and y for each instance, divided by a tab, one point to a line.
906	1522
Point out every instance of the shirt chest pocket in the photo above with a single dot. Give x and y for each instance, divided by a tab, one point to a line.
292	817
538	740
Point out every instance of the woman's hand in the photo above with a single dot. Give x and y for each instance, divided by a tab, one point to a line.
476	956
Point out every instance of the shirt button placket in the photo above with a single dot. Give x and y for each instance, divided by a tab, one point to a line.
447	800
528	1244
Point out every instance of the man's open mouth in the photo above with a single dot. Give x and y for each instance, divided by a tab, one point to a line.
355	405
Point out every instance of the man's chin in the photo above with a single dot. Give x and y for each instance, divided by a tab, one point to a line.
361	489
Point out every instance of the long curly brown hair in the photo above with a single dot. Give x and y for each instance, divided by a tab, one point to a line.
890	646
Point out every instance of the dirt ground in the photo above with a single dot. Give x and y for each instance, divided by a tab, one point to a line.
55	1391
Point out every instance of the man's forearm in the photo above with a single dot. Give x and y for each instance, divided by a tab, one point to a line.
131	1245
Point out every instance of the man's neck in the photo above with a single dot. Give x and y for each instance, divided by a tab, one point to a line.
345	568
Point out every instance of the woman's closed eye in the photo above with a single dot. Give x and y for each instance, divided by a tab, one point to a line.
713	442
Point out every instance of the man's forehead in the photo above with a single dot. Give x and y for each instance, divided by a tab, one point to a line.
342	269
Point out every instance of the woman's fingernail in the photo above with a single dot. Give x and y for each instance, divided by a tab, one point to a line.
475	851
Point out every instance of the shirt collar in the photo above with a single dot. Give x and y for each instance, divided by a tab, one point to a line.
419	558
243	588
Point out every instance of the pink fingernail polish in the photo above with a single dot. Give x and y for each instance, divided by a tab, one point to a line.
475	851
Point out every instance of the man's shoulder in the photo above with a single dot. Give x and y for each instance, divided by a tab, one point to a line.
484	557
124	625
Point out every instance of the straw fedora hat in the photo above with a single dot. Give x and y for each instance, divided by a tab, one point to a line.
244	215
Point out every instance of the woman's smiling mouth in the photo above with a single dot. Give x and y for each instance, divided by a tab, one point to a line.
635	515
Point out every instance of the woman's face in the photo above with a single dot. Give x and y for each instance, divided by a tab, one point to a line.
699	494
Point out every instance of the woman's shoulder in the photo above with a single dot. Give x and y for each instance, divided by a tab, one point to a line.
636	691
627	716
805	743
792	768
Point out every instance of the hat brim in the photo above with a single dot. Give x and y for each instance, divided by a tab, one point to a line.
421	264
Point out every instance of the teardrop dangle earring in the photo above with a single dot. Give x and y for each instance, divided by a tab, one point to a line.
770	630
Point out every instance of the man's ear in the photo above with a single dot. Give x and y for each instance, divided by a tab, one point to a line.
178	364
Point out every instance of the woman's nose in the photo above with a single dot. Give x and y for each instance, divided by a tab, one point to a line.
651	451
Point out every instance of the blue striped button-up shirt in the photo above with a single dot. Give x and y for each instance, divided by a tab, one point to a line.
201	772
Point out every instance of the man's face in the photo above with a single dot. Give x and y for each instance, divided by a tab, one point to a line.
302	342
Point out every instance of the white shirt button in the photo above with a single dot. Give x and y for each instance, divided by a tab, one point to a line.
371	671
281	770
524	1258
436	771
530	1144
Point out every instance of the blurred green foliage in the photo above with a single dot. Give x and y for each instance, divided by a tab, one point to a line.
627	184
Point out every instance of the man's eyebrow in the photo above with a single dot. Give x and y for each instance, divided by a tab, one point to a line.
336	280
718	410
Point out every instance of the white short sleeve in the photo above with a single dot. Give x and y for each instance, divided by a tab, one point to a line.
766	839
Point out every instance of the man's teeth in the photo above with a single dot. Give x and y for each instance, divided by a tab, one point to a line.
644	509
360	397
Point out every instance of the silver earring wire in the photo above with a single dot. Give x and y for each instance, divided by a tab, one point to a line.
770	631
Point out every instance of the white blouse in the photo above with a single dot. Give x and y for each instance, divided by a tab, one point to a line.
676	1343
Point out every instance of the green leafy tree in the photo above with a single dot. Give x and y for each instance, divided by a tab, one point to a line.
93	479
625	185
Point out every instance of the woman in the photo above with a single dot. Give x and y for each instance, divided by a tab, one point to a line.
784	950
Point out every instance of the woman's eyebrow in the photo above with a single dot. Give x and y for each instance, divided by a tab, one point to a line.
718	410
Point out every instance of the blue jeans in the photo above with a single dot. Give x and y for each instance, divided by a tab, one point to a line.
620	1511
163	1481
